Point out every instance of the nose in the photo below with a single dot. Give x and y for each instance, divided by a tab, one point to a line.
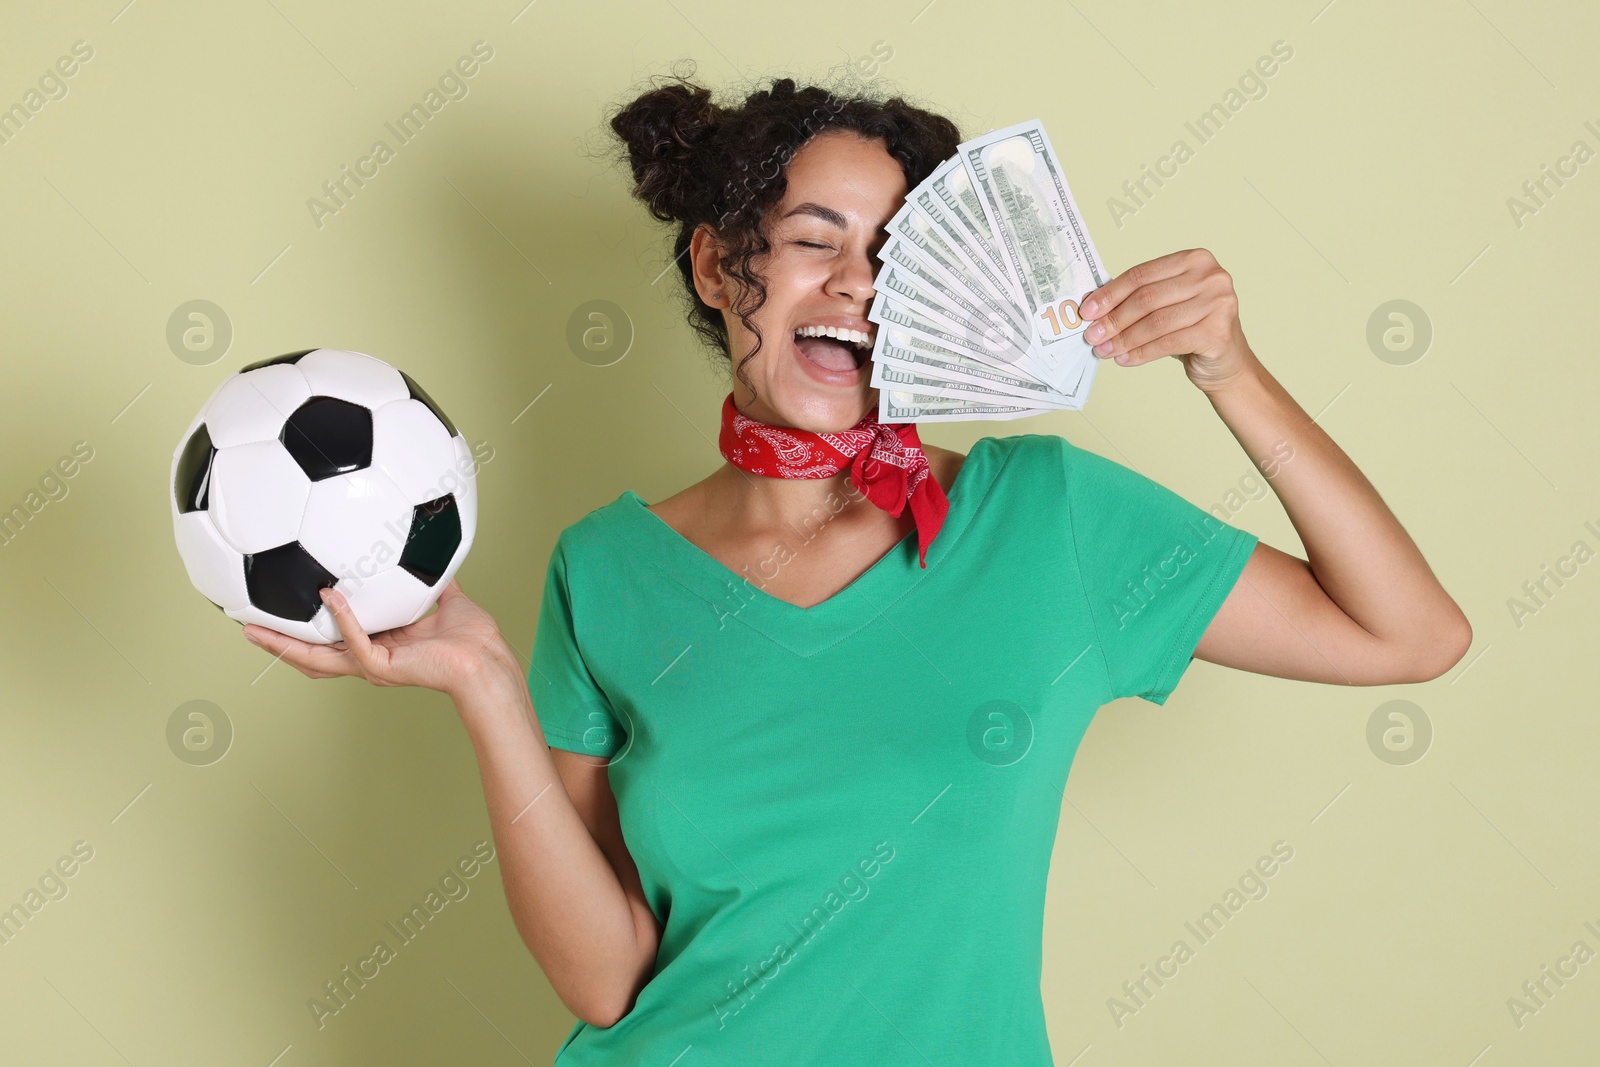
853	276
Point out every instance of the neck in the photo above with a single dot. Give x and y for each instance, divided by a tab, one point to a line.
755	502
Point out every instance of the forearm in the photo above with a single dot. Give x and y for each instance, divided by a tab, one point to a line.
563	894
1358	551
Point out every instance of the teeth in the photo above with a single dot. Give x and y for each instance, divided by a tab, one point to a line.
854	337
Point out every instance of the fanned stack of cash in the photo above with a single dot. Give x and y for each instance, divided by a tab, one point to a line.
977	299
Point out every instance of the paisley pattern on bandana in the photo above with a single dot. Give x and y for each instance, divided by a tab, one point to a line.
886	462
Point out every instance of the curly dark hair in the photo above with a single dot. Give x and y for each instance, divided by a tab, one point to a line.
695	161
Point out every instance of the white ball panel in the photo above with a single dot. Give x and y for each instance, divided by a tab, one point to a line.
253	406
414	448
356	524
305	631
214	566
467	493
198	419
353	376
258	495
323	622
388	599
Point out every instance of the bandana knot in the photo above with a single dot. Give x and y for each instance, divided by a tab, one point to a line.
886	463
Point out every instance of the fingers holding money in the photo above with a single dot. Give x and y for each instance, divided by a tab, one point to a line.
1179	304
1101	302
1159	332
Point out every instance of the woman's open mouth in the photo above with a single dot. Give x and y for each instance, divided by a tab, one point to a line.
836	349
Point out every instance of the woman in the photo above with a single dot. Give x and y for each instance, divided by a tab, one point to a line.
808	719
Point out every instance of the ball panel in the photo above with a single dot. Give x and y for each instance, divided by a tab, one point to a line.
192	478
305	631
291	357
215	568
327	436
444	579
356	524
388	599
252	407
435	536
413	448
284	581
438	412
352	376
258	495
467	492
323	622
200	418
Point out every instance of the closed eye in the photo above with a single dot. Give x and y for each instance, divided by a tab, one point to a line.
810	244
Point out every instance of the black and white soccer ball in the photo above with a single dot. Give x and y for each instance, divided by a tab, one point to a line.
322	468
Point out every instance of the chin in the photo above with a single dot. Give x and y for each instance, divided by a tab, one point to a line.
798	392
821	410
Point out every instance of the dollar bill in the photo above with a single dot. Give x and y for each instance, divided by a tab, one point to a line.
899	357
888	309
1044	242
897	406
950	198
926	257
984	269
894	376
947	306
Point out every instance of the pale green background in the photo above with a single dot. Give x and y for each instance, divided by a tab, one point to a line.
1377	167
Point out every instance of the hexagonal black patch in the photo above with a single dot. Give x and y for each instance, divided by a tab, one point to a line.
292	357
192	485
435	536
284	581
438	412
327	436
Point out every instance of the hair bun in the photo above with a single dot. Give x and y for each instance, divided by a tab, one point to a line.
666	131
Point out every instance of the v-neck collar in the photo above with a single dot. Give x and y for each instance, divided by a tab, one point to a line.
806	631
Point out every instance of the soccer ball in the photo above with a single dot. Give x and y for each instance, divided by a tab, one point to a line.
322	468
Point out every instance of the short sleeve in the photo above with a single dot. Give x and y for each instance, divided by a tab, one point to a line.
572	710
1155	568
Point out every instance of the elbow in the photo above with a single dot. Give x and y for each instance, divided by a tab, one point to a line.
604	1009
601	1019
610	994
600	982
1447	646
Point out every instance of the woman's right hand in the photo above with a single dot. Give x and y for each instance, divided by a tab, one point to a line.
443	650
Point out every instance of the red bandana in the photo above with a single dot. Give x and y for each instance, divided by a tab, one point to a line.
885	459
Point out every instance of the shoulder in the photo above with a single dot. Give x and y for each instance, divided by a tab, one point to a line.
1013	467
1051	465
944	464
1038	455
681	508
590	535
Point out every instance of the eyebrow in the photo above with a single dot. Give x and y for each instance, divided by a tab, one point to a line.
826	214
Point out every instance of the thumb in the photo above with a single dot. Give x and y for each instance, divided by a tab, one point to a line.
355	638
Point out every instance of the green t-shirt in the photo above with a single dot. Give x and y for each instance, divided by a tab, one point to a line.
843	815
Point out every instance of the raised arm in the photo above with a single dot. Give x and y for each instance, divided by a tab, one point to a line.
1363	608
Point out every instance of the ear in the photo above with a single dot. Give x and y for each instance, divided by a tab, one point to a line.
705	257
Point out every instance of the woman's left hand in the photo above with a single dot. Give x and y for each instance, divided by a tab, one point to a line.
1183	305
